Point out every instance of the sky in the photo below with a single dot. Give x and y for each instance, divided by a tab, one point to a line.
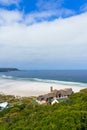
43	34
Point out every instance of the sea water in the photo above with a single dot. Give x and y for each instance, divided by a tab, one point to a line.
67	77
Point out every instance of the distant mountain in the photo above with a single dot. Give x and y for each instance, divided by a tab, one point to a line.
8	69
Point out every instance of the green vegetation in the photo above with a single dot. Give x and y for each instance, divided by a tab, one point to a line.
27	115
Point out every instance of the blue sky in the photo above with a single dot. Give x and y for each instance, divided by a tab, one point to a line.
43	34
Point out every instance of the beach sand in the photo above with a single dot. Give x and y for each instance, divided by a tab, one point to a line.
27	88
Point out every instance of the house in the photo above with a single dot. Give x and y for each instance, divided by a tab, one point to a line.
3	105
55	94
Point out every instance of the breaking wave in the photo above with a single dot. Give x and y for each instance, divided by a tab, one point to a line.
58	82
5	77
43	80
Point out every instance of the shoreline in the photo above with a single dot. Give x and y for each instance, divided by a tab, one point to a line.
29	88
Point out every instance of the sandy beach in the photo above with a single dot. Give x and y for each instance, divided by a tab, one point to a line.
27	88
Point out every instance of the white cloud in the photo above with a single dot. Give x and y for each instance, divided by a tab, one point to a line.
9	2
62	42
46	15
39	16
10	17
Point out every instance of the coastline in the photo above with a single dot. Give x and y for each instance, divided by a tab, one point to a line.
29	88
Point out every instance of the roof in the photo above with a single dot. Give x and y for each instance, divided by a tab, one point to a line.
56	93
4	104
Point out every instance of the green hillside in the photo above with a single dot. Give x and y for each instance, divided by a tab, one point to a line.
25	114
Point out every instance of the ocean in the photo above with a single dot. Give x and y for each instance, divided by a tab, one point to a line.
50	76
37	82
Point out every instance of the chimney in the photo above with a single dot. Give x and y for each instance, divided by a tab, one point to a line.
51	89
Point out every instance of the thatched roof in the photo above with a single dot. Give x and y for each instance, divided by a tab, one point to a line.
56	93
68	91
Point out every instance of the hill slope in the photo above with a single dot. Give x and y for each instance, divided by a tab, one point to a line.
26	115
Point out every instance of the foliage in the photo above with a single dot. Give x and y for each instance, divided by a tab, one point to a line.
25	115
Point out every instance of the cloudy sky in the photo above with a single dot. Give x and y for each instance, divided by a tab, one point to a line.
43	34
